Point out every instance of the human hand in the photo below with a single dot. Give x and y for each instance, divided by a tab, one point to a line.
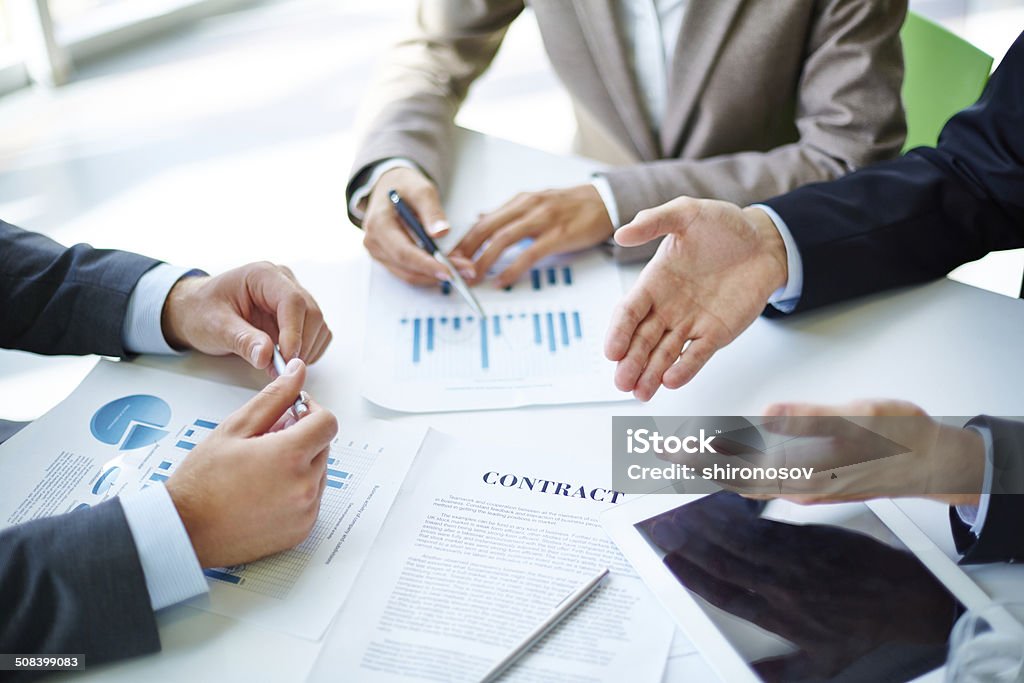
245	311
558	220
710	279
253	487
389	241
851	448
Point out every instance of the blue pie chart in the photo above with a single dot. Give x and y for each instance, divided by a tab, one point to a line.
138	420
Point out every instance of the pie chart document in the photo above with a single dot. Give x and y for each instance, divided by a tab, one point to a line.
128	427
541	341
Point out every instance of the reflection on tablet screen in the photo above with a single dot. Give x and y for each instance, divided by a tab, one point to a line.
815	593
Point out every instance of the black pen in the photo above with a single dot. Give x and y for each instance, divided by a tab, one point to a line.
413	225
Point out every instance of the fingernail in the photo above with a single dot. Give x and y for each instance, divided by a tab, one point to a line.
293	366
468	272
289	421
442	275
438	227
255	354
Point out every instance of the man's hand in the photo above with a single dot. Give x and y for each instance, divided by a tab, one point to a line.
389	241
854	444
245	311
710	279
253	487
557	220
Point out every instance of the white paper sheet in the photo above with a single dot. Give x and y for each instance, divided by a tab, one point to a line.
463	569
542	342
127	426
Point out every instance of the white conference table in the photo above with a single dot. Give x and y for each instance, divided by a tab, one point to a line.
949	347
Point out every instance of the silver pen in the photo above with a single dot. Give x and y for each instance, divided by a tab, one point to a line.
301	405
562	610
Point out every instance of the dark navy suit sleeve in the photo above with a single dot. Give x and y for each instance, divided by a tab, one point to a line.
916	218
63	300
72	584
1002	536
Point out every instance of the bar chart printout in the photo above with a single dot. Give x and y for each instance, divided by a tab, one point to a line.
539	343
128	428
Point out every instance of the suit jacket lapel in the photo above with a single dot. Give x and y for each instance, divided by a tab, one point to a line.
705	28
598	21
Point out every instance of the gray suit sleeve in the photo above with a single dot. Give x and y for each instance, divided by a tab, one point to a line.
848	113
64	300
424	81
73	584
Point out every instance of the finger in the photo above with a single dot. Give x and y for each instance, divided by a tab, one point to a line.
800	409
426	202
321	344
249	342
694	357
263	411
309	436
661	359
412	258
628	314
648	334
391	244
650	224
410	277
312	326
541	248
319	463
508	236
489	224
291	321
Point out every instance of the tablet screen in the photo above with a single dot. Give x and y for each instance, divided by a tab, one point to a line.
807	593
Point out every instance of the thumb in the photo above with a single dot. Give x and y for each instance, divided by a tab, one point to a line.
263	410
649	224
250	343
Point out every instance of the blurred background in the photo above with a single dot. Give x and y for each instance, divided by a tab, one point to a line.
175	127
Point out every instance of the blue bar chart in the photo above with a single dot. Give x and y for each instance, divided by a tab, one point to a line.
499	342
187	438
551	277
540	341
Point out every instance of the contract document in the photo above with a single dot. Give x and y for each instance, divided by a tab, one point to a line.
541	341
480	546
127	427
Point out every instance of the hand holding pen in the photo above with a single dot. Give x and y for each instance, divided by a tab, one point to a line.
389	241
413	225
301	405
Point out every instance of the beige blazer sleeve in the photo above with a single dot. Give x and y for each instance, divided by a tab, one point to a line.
424	82
849	114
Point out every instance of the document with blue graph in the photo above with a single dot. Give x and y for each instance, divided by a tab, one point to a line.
127	427
541	341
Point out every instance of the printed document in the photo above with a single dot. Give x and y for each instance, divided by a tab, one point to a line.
541	342
480	546
127	427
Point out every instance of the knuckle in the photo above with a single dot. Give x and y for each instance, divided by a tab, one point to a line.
239	340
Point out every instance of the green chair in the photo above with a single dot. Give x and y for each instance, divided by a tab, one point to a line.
944	74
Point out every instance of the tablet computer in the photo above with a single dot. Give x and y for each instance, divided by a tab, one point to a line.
775	591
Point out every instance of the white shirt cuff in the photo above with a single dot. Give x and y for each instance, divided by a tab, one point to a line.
786	298
975	514
604	188
141	331
360	194
168	560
